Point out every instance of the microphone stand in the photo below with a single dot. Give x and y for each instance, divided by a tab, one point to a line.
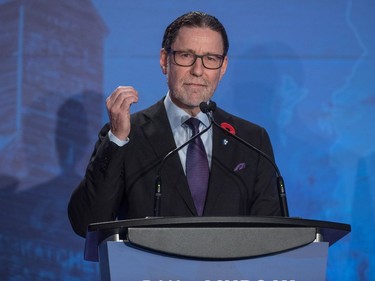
208	109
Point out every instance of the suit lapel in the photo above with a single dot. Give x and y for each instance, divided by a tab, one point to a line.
162	142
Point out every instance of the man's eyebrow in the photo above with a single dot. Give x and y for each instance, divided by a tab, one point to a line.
207	53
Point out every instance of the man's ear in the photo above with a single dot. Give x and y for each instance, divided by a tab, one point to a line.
224	67
163	60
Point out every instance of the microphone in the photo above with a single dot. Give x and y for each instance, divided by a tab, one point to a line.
158	184
209	108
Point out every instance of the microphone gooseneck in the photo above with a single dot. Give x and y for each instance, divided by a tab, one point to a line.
158	183
209	108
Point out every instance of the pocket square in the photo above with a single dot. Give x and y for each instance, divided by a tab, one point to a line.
240	167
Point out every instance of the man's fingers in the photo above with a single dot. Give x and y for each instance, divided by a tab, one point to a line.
122	98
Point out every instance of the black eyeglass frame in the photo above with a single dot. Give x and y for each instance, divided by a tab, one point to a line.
174	52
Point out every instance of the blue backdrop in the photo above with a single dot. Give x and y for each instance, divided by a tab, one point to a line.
304	70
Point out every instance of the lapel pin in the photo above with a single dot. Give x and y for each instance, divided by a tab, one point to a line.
225	141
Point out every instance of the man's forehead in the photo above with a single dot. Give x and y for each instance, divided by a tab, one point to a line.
198	35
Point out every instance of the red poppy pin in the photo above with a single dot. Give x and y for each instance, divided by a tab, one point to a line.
228	127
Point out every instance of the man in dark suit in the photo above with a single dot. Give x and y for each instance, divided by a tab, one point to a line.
120	178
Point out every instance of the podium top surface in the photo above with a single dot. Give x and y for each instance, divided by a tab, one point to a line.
331	231
119	225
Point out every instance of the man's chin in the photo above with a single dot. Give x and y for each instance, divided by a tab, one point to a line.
192	102
196	104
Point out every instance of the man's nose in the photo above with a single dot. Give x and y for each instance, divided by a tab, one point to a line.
197	68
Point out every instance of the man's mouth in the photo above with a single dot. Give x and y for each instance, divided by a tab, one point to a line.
194	85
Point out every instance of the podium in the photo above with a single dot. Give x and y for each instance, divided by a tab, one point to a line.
212	248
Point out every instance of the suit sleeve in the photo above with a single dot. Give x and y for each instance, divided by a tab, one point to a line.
98	196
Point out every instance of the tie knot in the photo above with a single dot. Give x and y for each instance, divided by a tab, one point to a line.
193	123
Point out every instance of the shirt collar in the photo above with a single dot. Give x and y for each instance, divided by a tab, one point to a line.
177	116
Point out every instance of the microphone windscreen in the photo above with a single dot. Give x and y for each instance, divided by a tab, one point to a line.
204	107
207	107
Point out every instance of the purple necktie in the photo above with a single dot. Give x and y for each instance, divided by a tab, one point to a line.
197	170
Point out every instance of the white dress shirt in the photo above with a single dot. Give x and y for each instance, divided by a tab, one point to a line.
182	132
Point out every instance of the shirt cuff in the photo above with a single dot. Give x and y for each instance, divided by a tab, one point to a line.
116	140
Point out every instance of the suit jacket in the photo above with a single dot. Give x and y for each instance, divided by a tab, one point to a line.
120	181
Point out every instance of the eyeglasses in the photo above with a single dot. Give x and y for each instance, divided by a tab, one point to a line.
183	58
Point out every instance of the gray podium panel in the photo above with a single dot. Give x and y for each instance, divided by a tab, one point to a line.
221	243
